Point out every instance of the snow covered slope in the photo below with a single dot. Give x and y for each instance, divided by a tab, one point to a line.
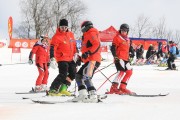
145	80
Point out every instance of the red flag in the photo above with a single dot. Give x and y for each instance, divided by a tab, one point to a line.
10	25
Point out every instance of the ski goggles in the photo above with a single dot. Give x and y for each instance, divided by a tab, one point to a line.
63	27
124	30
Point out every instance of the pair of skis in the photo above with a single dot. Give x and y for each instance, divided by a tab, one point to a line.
66	99
58	99
135	95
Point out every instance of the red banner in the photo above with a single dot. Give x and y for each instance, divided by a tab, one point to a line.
10	25
22	43
19	43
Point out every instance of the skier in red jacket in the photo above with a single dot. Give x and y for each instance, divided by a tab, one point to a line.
41	49
120	51
62	51
91	56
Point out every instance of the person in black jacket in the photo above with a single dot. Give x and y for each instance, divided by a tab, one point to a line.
139	54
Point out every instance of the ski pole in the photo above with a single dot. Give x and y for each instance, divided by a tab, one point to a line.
102	73
104	67
106	80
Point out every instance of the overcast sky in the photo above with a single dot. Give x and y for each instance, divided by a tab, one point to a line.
104	13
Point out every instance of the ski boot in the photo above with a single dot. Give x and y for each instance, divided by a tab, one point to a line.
92	97
53	92
113	89
44	87
63	90
124	91
38	88
82	97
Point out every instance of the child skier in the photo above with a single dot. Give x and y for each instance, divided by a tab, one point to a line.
41	49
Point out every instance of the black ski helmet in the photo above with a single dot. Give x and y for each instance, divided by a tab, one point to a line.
124	27
86	25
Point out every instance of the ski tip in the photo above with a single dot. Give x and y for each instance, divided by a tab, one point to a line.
42	102
163	94
151	95
25	98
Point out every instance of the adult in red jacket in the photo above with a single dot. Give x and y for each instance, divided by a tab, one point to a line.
120	51
63	48
41	49
91	56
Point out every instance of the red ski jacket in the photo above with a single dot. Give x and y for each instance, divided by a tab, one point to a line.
64	45
91	42
41	51
122	46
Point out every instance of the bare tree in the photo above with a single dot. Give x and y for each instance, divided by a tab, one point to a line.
23	31
42	16
36	16
169	35
72	10
76	17
159	31
177	38
142	27
132	31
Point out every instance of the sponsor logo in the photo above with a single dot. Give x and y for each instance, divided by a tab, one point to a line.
17	44
25	44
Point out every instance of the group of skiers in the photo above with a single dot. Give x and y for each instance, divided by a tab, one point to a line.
164	55
63	54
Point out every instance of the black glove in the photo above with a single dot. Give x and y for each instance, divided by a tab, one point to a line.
116	59
86	54
30	62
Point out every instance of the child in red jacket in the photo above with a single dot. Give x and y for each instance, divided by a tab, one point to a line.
41	49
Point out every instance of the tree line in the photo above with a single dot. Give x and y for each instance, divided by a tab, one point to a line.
145	28
42	17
